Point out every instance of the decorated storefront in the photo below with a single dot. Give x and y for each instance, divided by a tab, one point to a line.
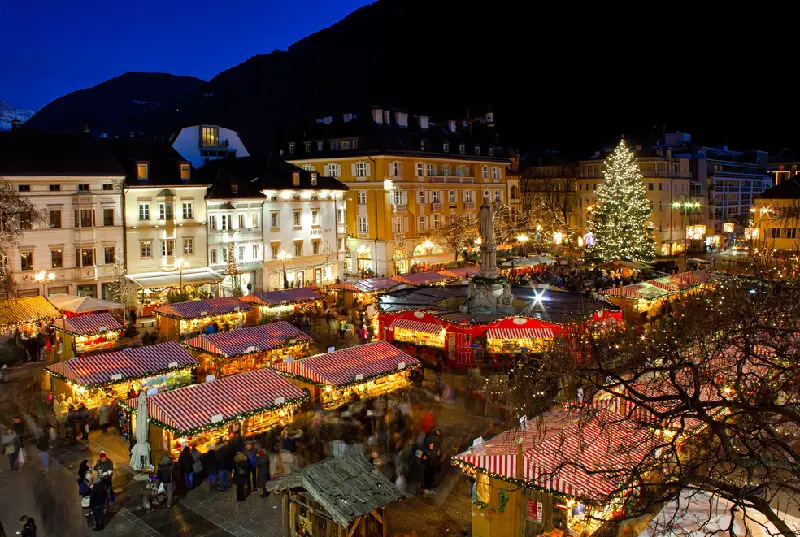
105	378
182	319
97	332
153	288
247	349
419	333
648	297
271	305
362	371
249	403
363	291
26	315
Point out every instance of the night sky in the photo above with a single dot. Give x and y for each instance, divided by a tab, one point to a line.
51	47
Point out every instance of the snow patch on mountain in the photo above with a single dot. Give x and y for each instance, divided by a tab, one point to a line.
8	113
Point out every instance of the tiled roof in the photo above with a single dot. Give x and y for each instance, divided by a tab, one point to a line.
20	310
202	308
26	152
249	339
85	325
163	162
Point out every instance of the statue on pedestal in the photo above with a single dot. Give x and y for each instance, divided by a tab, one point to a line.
488	246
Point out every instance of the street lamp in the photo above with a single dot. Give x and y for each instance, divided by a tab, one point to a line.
180	264
283	255
43	277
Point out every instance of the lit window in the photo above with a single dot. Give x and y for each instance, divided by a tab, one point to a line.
362	198
363	225
296	222
255	251
188	210
275	249
168	247
315	246
141	170
56	258
165	211
274	220
314	217
144	211
145	249
186	170
188	246
241	253
109	255
210	137
213	256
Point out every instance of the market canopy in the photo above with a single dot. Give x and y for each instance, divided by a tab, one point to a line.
249	340
353	365
121	366
421	278
186	411
372	285
25	310
417	326
283	296
520	333
463	273
529	261
191	276
195	309
88	325
83	304
643	290
347	487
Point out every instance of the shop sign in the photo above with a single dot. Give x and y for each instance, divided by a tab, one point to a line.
251	349
102	329
216	418
280	400
401	366
419	315
331	349
534	511
359	377
116	377
172	364
291	341
203	314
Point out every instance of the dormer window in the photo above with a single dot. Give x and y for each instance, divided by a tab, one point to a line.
446	147
320	145
186	170
291	148
462	148
422	145
141	170
235	189
313	178
295	178
308	147
209	137
402	119
477	150
491	151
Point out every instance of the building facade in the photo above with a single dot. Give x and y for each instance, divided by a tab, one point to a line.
776	218
199	144
406	175
76	186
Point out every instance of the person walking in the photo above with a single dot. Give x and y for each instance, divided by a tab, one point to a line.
165	476
19	430
103	416
105	470
197	465
224	465
11	447
186	465
262	464
28	526
211	466
241	467
43	444
251	456
83	420
97	503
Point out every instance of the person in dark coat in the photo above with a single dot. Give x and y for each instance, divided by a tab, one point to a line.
97	503
224	462
28	526
83	420
165	476
211	467
262	465
241	467
186	466
252	457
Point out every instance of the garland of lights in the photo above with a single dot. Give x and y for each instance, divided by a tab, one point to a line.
72	333
471	470
507	318
349	384
211	426
123	379
223	355
177	318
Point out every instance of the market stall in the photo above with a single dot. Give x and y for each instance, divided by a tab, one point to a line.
419	333
271	305
182	319
246	349
26	315
422	278
362	291
515	340
464	273
153	288
86	334
364	370
649	296
80	305
248	403
105	378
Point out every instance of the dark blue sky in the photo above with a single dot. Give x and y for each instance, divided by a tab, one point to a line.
51	47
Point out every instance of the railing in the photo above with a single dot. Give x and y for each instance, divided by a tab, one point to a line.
451	179
436	206
469	204
400	208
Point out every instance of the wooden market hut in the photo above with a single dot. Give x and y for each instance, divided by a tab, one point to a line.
87	333
25	314
182	318
99	378
367	370
365	291
273	304
247	349
422	278
249	403
339	497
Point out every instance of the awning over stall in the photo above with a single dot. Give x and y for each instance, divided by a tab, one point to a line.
417	326
24	310
195	309
87	325
283	296
371	285
249	340
519	333
191	276
421	278
83	304
464	273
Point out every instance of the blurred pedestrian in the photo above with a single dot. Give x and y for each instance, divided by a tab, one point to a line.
241	467
251	456
11	448
211	467
224	459
28	526
97	503
165	476
186	465
197	466
105	471
262	464
43	444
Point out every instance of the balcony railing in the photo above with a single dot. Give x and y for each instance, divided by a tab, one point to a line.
469	204
400	208
436	206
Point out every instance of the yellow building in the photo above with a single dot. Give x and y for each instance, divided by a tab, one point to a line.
776	218
406	177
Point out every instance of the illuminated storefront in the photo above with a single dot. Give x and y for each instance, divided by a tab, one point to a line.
87	333
182	318
271	305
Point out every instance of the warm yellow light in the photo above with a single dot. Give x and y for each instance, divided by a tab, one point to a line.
558	237
181	263
283	255
538	227
522	238
580	242
728	227
478	241
427	244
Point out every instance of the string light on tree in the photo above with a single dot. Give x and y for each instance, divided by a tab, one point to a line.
619	220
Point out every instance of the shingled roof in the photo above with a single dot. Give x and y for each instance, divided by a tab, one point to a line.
27	152
348	487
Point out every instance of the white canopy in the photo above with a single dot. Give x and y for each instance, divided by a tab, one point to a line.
83	304
140	454
191	276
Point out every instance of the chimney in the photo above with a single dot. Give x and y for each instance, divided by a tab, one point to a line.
15	124
451	124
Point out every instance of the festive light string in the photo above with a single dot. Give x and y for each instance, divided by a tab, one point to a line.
366	379
122	379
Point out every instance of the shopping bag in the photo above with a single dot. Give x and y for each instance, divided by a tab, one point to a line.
85	501
161	489
21	458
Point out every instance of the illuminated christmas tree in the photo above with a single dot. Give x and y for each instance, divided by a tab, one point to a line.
619	220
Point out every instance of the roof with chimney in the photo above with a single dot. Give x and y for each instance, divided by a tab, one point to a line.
28	152
163	162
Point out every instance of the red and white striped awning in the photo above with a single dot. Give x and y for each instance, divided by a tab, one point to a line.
249	340
342	368
371	285
194	309
87	325
222	400
128	364
520	333
417	326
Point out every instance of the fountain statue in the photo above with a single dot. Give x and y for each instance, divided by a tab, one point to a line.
488	292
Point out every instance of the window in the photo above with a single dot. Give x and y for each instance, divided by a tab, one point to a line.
437	221
109	255
419	169
24	188
188	246
275	220
227	222
307	146
108	186
436	197
477	150
213	256
188	210
56	258
55	188
396	169
168	247
498	196
320	145
445	171
651	205
594	187
399	224
650	186
399	197
291	148
332	170
83	187
491	151
496	172
462	148
165	211
345	144
209	136
660	205
296	222
275	248
145	249
295	178
55	218
255	251
26	261
212	222
362	198
514	192
144	211
298	249
430	170
242	222
421	195
340	216
485	172
141	171
85	257
469	196
341	244
84	218
775	233
315	247
241	253
446	147
361	169
462	171
254	220
790	233
363	226
661	186
421	226
314	217
108	217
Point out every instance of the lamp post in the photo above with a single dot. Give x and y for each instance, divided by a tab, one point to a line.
43	277
180	264
283	255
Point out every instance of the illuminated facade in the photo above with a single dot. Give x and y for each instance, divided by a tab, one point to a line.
776	218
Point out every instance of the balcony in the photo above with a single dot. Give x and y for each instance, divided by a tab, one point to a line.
436	206
450	179
400	208
469	205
